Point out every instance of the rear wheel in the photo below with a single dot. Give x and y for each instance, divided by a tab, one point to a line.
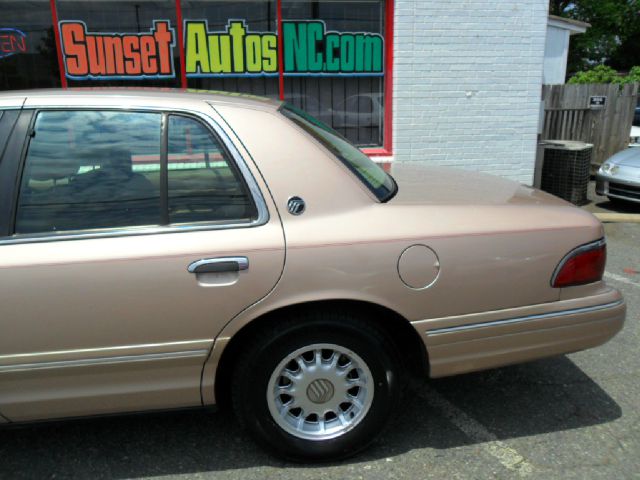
318	388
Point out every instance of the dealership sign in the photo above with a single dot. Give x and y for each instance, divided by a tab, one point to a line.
101	56
12	41
308	50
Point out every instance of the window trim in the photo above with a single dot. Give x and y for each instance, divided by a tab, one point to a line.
214	128
386	150
164	170
11	156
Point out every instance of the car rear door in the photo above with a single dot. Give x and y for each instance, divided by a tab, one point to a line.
133	238
8	118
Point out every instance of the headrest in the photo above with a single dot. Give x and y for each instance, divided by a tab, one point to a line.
116	158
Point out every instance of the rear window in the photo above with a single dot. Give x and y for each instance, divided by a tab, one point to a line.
375	178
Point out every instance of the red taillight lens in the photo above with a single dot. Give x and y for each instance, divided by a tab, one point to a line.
584	265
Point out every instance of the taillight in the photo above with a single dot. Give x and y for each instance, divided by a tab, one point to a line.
581	266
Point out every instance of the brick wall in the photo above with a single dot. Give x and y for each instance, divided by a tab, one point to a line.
467	83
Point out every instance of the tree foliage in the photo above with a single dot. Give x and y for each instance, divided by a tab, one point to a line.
634	75
605	74
614	36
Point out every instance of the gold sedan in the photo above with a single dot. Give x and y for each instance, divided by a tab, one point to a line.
164	250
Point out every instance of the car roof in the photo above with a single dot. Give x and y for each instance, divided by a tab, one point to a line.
119	96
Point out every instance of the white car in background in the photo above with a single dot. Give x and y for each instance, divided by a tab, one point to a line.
619	177
360	110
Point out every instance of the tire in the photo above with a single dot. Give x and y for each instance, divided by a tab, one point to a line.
325	358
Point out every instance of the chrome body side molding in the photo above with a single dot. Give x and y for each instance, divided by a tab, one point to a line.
511	321
89	362
105	356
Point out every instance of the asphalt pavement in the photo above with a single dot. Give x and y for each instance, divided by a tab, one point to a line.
571	417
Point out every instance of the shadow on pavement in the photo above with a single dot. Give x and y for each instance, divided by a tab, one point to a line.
545	396
616	206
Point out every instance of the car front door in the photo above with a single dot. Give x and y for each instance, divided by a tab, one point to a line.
134	237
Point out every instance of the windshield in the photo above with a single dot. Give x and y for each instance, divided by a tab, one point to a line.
375	178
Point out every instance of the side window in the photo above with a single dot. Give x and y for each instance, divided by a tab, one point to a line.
89	170
204	184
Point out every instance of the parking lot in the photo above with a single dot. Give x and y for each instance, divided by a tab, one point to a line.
569	417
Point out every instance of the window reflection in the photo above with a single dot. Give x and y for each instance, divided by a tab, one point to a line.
88	170
203	184
353	105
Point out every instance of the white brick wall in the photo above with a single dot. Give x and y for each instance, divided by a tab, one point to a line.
467	83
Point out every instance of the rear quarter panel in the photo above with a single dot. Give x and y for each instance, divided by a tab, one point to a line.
347	245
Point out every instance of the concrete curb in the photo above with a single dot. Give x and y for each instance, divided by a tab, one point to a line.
618	217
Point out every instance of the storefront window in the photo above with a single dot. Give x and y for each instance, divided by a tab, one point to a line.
27	46
119	42
326	57
346	92
231	45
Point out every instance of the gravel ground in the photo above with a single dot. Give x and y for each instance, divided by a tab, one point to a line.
569	417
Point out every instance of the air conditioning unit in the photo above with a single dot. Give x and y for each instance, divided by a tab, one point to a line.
566	169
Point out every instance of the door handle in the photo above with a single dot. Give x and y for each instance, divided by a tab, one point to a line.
219	265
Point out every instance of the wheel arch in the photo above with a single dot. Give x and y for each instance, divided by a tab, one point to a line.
406	340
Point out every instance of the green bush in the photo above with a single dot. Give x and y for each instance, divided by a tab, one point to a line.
634	75
604	74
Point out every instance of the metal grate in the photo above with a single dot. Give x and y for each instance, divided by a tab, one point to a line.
624	190
566	170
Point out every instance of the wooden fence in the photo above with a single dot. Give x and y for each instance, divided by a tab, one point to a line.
568	116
